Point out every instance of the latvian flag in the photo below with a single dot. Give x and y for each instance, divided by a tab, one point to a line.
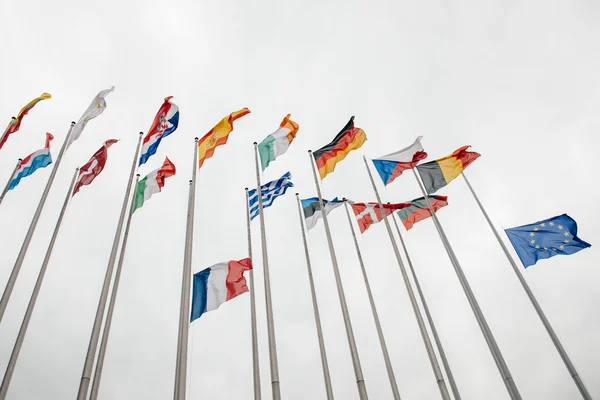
393	165
368	214
165	122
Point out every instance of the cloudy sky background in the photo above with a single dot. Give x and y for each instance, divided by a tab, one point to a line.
516	80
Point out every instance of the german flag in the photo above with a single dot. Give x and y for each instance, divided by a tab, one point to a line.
349	138
218	135
437	174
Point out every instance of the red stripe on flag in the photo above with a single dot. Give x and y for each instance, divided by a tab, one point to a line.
235	281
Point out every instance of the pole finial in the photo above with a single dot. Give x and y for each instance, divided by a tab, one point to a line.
138	175
255	143
310	151
20	159
141	133
196	139
246	189
190	182
72	123
344	199
13	118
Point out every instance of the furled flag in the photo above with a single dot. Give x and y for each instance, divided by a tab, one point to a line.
438	173
97	107
277	142
165	122
92	168
312	209
393	165
417	210
152	183
269	191
15	123
217	284
36	160
217	136
545	239
349	138
368	214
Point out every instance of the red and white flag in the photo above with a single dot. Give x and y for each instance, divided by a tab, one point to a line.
368	214
92	168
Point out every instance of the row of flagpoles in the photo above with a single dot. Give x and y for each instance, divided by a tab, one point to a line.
197	297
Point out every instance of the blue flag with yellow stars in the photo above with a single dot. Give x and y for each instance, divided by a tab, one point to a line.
545	239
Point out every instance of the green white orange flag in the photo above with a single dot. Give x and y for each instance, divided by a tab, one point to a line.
152	183
277	142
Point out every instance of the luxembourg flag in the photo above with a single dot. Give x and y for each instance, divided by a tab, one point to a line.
165	122
217	284
33	162
393	165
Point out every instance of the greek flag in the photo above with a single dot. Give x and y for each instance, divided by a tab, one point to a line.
269	191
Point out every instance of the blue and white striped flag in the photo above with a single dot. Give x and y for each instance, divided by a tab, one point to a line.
269	191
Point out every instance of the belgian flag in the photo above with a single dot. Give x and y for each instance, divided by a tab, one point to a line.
349	138
437	174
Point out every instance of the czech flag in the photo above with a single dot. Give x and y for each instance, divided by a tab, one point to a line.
393	165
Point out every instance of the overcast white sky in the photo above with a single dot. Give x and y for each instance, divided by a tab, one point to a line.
516	80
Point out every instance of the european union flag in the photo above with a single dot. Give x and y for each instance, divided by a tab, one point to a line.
545	239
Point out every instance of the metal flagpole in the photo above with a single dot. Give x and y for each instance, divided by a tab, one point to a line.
10	180
186	281
36	290
17	267
485	329
12	119
270	323
95	336
386	356
360	380
413	301
325	365
255	360
111	303
559	347
436	338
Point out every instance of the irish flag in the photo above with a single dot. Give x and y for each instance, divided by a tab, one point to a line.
277	142
215	285
152	183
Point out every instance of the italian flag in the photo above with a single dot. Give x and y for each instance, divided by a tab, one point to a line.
152	183
277	142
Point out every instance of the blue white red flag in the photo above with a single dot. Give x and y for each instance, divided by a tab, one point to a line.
391	166
165	123
36	160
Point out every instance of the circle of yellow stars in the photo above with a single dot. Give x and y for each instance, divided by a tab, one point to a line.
543	225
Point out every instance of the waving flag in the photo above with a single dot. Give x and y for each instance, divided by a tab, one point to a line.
92	168
153	183
218	135
312	209
269	191
277	142
15	123
391	166
368	214
438	173
165	122
36	160
217	284
97	107
417	210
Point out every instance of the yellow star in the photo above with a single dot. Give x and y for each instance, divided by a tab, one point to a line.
536	229
532	241
561	247
537	246
560	227
531	234
551	224
566	233
542	225
566	241
554	248
545	248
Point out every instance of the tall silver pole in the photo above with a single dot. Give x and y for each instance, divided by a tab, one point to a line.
559	347
12	119
17	267
384	350
112	301
270	322
186	281
313	293
413	301
511	387
36	290
360	380
436	338
5	190
255	359
95	336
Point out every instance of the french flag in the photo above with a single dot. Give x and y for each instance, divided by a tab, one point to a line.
165	122
393	165
217	284
36	160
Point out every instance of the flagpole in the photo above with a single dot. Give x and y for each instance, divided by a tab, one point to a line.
413	301
436	338
34	295
386	356
12	120
270	323
360	380
559	347
5	190
111	303
255	360
36	216
95	336
483	325
325	365
186	281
